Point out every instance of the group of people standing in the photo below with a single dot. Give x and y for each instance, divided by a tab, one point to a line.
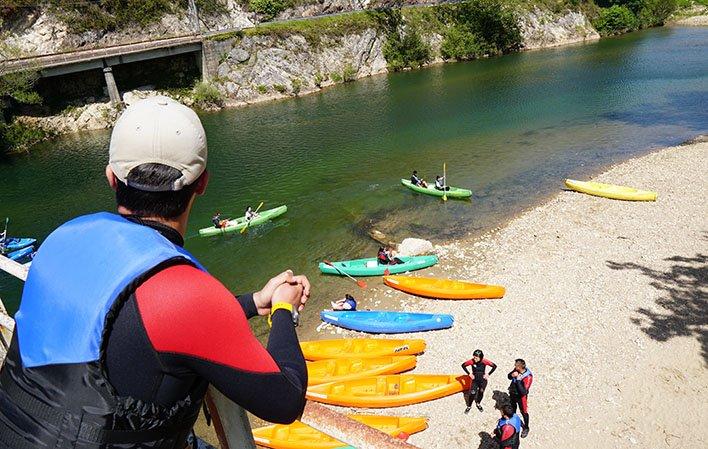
510	427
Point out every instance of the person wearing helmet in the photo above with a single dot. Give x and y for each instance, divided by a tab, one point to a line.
479	378
521	379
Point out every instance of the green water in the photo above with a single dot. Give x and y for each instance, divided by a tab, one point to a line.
510	128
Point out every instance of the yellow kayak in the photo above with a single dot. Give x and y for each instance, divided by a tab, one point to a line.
611	191
335	370
360	347
443	288
393	390
301	436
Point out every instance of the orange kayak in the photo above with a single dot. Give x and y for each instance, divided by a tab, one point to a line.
388	391
444	288
360	347
301	436
334	370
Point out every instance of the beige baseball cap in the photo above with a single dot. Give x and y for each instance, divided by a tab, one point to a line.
158	130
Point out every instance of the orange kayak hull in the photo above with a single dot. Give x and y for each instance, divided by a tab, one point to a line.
360	347
444	288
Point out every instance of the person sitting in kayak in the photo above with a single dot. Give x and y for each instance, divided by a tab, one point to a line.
346	303
416	181
218	222
440	183
387	256
251	214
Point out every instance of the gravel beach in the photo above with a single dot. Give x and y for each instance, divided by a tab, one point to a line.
606	301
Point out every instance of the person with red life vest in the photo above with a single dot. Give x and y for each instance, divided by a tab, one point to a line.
479	378
121	330
508	428
521	379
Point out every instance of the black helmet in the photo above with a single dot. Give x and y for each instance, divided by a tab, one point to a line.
478	353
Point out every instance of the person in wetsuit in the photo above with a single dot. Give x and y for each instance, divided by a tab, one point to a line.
508	427
218	222
479	378
521	379
440	183
416	181
120	330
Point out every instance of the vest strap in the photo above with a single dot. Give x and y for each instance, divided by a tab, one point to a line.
10	439
31	405
97	434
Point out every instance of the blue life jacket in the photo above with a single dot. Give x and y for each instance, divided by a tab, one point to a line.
512	441
53	389
516	384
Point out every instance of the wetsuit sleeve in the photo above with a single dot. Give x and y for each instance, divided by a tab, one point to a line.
194	325
490	363
247	304
466	364
508	376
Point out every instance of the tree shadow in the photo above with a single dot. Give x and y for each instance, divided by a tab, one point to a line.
683	300
500	399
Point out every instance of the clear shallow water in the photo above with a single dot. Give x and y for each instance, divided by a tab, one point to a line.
510	128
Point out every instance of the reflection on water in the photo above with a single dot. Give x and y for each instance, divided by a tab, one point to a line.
510	128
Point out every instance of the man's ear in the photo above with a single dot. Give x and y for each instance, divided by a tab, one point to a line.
202	183
111	177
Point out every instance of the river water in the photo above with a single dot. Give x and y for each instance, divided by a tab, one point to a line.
510	128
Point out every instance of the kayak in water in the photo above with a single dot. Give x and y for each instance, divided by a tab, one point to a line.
239	223
453	192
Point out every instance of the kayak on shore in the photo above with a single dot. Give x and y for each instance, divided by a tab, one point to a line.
384	322
394	390
443	288
350	368
454	192
372	267
360	347
239	223
14	243
301	436
611	191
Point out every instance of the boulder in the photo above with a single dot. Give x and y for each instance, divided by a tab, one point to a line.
415	247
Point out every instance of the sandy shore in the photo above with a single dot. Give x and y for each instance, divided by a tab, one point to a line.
606	301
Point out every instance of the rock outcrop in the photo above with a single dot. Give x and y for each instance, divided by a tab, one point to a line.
542	29
415	247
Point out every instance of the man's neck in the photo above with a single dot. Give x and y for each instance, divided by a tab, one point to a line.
179	224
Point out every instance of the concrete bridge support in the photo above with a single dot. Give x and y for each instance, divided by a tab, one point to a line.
113	93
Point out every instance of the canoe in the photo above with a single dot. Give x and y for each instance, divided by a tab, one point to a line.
301	436
334	370
443	288
611	191
384	322
21	253
15	243
371	266
360	347
393	390
239	223
454	192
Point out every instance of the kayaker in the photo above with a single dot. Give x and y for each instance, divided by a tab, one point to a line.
416	181
440	183
479	378
120	330
387	256
508	428
346	303
218	222
250	214
521	379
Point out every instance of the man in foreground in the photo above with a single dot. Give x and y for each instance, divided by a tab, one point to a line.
120	330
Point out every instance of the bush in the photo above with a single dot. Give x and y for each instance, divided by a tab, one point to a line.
336	77
655	12
615	20
110	15
318	79
460	44
206	95
262	89
296	85
407	51
349	73
19	137
268	8
280	88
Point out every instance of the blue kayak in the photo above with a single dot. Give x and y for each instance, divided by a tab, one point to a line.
15	243
376	322
21	253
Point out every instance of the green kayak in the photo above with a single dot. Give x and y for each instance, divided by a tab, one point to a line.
239	223
371	267
454	192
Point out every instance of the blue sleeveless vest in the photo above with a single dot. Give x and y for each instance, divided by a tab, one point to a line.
513	441
73	281
514	421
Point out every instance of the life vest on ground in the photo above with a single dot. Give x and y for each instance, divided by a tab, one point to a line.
512	441
54	391
517	381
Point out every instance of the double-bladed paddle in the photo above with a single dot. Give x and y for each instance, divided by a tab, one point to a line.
361	284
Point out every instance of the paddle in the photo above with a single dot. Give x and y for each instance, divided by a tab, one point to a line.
248	222
361	284
444	181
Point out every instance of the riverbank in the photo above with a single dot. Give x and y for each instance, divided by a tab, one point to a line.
605	301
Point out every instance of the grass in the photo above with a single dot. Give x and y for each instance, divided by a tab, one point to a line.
314	29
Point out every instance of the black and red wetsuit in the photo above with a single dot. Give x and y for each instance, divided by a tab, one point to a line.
479	383
181	330
519	391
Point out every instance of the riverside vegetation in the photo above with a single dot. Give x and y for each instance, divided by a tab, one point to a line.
408	37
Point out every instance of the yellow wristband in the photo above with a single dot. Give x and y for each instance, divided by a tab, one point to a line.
276	306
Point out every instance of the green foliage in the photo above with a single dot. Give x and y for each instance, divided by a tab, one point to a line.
461	45
336	77
269	8
262	89
402	49
296	85
313	30
615	20
280	88
318	79
349	73
19	137
226	36
655	12
206	95
211	7
19	87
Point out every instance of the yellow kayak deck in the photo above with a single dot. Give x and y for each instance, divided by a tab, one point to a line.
611	191
336	370
360	347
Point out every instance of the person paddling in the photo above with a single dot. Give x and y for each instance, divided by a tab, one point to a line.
251	214
521	379
440	183
508	428
479	378
416	181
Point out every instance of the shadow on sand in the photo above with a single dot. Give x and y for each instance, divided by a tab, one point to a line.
683	300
